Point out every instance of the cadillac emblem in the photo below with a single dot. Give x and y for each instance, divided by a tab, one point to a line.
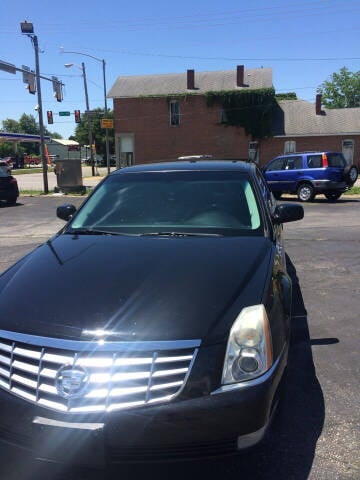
71	381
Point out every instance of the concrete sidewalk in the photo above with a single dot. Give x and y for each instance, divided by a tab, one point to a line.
35	181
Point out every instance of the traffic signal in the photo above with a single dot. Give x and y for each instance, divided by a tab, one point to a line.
50	117
58	93
57	89
31	84
77	116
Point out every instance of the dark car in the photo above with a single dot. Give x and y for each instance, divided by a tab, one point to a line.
9	190
9	161
164	332
310	173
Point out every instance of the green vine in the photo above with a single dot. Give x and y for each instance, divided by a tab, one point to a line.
286	96
250	109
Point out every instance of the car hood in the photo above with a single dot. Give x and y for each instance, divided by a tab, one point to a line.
139	288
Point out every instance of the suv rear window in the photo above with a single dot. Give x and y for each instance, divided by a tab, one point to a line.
336	160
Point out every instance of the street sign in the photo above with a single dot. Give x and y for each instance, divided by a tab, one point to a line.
107	123
92	113
64	114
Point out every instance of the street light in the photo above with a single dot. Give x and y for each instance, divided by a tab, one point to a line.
105	100
27	28
69	65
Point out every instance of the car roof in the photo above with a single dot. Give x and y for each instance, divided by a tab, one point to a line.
192	165
311	152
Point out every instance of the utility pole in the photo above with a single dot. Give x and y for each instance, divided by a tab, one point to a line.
28	29
105	116
105	100
89	120
41	118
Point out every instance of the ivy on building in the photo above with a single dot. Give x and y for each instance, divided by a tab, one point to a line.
250	109
286	96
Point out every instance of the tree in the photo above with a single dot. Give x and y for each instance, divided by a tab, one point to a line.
342	90
98	133
27	124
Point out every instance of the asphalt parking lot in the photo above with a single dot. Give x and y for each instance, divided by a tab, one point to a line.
315	434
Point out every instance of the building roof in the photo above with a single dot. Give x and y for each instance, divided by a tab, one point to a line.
298	118
21	137
176	83
66	143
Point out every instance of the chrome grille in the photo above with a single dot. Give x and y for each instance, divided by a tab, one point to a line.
119	375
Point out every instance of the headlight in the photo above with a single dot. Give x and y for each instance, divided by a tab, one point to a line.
249	351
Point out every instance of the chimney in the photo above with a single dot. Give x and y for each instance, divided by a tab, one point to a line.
191	79
240	76
318	104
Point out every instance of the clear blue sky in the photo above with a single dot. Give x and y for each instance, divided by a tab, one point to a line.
304	42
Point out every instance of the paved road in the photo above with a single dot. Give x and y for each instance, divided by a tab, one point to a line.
316	432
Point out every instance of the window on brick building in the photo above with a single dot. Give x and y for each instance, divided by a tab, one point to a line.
174	113
290	146
223	116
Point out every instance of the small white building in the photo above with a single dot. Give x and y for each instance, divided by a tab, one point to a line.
60	149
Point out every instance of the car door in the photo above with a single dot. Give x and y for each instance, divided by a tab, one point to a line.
273	174
292	172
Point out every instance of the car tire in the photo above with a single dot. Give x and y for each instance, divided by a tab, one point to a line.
11	200
351	174
305	192
332	196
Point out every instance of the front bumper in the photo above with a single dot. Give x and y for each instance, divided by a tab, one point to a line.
221	423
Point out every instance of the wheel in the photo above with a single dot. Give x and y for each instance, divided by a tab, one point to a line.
332	195
11	200
305	192
277	195
351	174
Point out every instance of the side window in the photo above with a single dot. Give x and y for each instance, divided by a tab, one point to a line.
174	113
314	161
277	164
266	193
294	163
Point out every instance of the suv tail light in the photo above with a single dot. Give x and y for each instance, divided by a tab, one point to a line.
325	160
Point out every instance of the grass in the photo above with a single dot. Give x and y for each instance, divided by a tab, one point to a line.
25	171
32	192
353	191
35	193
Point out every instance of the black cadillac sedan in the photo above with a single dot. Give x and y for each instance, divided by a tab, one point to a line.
164	329
9	190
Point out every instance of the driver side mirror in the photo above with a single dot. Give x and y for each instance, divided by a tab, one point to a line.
288	212
65	211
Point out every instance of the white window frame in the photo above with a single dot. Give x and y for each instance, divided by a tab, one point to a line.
290	146
346	143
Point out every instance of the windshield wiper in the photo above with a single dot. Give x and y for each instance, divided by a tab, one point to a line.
180	234
89	231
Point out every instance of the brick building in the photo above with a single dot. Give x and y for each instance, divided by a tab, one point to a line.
300	126
162	117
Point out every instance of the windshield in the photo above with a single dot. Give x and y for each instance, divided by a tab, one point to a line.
200	202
